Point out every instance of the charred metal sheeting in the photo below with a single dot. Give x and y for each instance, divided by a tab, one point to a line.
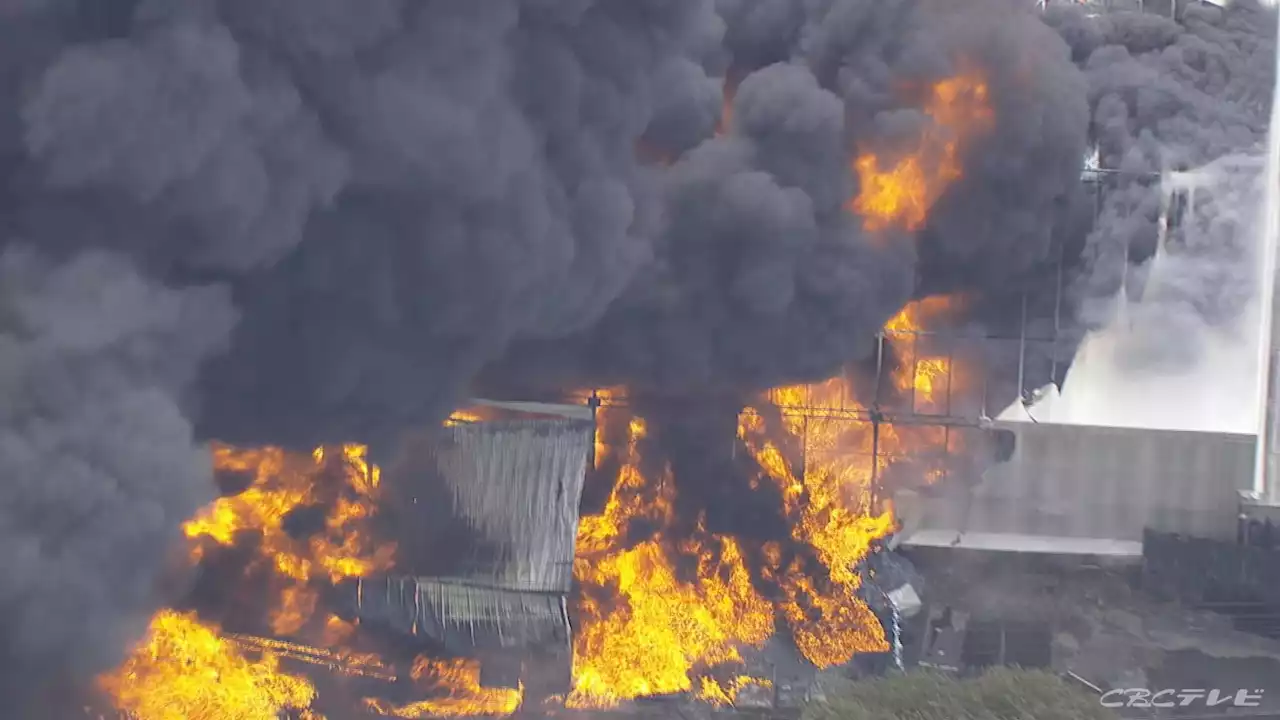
463	619
518	484
349	665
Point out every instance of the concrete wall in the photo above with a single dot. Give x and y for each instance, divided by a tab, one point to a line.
1090	490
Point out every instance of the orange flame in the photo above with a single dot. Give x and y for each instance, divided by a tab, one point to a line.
926	376
284	482
463	695
644	628
902	194
830	505
184	671
647	631
657	628
714	693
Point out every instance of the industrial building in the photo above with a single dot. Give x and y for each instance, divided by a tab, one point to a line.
1085	486
515	479
1052	488
1090	483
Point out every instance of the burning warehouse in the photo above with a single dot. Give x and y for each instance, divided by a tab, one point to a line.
793	245
517	483
473	641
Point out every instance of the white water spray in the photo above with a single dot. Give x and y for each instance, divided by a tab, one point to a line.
1227	388
1121	376
1265	462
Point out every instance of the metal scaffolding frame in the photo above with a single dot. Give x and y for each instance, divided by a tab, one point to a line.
890	408
951	414
887	408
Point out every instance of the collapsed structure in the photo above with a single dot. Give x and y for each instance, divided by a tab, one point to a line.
516	482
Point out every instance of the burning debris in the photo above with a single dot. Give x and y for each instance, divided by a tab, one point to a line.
644	628
237	231
430	632
650	621
464	697
658	610
517	484
285	489
184	669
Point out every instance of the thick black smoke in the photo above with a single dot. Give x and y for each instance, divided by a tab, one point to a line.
1173	95
99	463
394	195
763	276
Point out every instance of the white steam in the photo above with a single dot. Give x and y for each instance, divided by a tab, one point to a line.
1170	359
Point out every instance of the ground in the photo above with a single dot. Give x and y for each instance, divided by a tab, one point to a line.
1106	630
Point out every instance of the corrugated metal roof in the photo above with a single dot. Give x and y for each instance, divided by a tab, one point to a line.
574	412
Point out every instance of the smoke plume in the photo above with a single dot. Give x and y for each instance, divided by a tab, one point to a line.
307	221
98	455
1173	95
762	275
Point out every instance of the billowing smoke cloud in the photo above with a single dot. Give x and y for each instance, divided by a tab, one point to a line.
387	193
394	195
1168	95
97	454
494	194
763	276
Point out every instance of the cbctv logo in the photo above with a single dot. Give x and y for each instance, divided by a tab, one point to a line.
1170	698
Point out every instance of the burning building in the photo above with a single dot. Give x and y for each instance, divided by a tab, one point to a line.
517	483
476	641
1089	481
250	246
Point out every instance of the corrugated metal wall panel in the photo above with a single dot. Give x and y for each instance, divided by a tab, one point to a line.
459	616
518	483
1106	483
